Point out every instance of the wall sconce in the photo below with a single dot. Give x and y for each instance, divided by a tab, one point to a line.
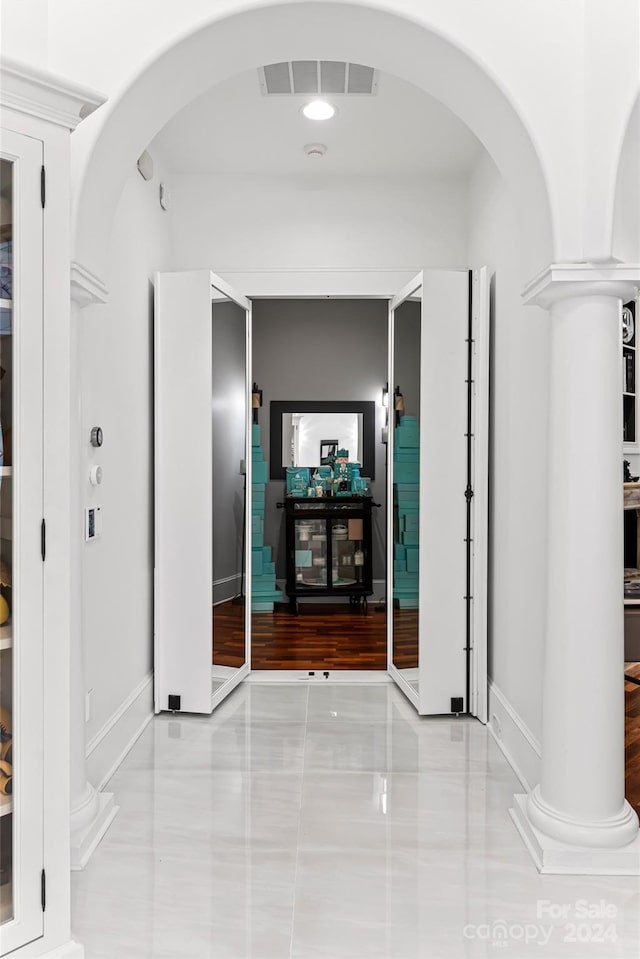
398	404
385	405
256	401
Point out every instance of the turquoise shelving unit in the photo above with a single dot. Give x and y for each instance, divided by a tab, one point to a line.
406	474
264	592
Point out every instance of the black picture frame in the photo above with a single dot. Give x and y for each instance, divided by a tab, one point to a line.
279	407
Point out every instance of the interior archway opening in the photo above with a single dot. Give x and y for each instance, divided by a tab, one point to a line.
391	193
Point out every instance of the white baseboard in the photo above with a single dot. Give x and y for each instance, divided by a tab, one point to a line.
226	588
106	750
71	949
86	840
520	747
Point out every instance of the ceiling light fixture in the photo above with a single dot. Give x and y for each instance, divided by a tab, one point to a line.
318	110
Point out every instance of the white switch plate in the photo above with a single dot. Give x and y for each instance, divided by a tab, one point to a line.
92	523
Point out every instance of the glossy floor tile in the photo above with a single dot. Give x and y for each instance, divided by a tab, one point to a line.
330	821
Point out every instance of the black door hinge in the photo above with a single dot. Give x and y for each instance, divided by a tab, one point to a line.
468	494
43	187
43	890
43	540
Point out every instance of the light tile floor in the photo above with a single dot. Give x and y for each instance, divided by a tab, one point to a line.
330	821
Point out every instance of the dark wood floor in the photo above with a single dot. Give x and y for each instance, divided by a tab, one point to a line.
632	735
341	637
319	637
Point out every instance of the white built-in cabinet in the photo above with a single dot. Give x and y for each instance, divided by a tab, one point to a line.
38	113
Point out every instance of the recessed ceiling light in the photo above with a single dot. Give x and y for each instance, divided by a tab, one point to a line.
318	110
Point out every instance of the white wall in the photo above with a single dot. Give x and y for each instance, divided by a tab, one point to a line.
116	342
269	222
519	385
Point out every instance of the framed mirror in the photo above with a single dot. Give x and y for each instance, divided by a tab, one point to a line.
298	430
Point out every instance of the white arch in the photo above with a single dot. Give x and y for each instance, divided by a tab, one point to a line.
108	143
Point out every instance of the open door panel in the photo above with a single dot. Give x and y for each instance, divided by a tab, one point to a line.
432	457
202	425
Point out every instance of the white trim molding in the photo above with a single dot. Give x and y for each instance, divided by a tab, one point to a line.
515	740
559	281
86	287
106	750
336	282
41	94
99	812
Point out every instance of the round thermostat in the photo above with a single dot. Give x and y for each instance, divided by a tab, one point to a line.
96	436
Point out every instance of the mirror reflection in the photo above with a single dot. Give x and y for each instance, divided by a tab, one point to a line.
312	439
310	431
404	419
228	423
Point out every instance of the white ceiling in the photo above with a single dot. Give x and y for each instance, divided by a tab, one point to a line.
235	129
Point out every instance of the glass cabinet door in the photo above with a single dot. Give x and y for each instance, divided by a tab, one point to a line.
347	552
21	560
310	538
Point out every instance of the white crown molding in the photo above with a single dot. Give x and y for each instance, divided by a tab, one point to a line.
47	96
86	287
563	280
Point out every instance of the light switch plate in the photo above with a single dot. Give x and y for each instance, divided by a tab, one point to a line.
92	523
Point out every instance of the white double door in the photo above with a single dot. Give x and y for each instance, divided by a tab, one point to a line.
441	624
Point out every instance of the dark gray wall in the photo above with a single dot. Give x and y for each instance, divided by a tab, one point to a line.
321	350
228	419
407	355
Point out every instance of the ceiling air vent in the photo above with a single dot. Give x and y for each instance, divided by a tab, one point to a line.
312	77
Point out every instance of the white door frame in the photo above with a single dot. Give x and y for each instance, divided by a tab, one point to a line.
354	284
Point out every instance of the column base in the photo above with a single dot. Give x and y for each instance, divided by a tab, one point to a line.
608	833
558	857
86	837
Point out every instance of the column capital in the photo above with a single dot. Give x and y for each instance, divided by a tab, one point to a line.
559	281
86	287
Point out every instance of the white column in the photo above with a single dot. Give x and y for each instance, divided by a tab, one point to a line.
91	812
577	819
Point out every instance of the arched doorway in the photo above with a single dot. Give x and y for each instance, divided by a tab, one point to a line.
275	33
108	146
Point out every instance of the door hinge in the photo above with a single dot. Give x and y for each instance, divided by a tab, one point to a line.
43	186
43	890
468	494
43	540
